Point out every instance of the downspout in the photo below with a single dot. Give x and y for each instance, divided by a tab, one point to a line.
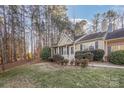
105	47
74	50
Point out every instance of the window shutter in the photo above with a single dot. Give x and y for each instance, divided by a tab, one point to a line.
96	45
80	47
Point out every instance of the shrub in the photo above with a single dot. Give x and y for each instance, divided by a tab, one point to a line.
88	55
29	56
84	62
72	62
45	53
77	62
117	57
58	58
84	55
98	54
64	62
50	59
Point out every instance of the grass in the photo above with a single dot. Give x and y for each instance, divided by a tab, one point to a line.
47	75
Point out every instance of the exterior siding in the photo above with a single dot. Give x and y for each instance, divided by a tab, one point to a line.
85	45
92	43
77	47
101	44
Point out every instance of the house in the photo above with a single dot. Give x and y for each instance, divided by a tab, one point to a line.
64	47
114	41
108	41
90	41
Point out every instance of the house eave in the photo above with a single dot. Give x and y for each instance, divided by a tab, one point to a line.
114	39
89	40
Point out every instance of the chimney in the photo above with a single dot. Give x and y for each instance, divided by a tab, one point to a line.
110	27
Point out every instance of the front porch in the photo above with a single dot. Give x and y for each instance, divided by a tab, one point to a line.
68	51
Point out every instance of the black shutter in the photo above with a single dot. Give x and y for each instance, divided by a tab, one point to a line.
80	47
67	50
96	45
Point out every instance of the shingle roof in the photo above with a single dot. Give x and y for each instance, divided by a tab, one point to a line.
93	36
77	37
115	34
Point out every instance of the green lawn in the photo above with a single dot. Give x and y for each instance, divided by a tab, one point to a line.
49	75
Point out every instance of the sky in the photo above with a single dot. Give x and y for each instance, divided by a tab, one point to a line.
88	11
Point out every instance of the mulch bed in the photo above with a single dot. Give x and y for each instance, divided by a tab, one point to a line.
18	63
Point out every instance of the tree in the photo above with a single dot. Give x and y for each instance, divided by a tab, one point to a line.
96	22
24	27
104	22
80	27
111	15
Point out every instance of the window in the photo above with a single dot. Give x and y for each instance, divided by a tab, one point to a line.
72	50
91	47
61	50
117	47
67	50
55	50
80	47
114	48
122	47
64	50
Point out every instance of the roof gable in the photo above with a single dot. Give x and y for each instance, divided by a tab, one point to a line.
64	40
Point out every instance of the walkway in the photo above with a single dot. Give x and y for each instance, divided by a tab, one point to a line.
108	65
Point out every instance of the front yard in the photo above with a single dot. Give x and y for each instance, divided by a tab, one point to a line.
52	75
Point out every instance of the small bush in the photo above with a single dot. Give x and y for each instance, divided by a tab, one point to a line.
84	62
29	56
72	62
88	55
50	59
64	62
84	55
58	58
117	57
77	62
45	53
98	54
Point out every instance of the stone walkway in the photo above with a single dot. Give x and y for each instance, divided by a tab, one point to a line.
108	65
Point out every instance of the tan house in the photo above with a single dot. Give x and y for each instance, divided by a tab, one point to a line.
114	41
108	41
64	47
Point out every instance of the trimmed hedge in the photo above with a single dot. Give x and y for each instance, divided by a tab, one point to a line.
93	55
117	57
45	53
98	54
84	55
64	62
84	62
58	58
